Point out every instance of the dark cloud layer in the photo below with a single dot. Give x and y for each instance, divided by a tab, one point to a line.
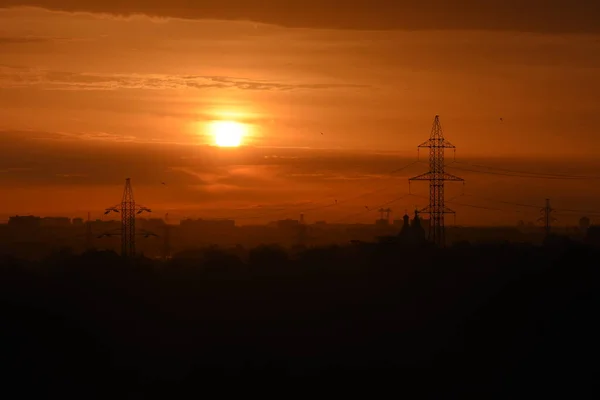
557	16
54	158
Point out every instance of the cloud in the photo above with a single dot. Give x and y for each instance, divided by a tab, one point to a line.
48	158
548	16
17	76
19	40
68	174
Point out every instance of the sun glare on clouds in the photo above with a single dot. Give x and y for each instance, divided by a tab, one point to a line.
227	133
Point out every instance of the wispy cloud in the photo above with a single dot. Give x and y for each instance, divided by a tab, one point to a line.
67	176
14	77
70	136
514	15
20	40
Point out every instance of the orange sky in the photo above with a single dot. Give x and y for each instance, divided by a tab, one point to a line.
88	99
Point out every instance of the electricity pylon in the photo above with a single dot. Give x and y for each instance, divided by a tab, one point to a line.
436	176
128	210
546	217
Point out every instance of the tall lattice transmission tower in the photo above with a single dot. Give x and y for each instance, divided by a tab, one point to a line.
436	176
128	210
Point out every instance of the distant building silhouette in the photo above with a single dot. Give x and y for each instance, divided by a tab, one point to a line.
406	231
287	224
584	224
24	222
56	222
412	232
417	228
207	224
77	222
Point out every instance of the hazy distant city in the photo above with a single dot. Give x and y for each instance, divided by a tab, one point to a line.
34	236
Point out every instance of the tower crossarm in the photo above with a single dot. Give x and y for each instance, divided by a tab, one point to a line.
440	143
112	209
427	210
428	176
140	209
423	177
449	177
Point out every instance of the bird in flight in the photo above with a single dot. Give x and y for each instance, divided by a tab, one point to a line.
501	119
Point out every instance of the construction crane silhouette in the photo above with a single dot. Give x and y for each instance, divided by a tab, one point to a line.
128	210
436	176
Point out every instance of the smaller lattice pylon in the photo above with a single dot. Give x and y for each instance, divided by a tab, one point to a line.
547	219
128	210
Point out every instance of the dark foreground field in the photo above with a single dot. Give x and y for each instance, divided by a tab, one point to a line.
498	321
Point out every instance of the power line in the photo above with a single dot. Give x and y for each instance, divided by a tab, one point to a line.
296	209
469	205
535	206
518	173
371	209
379	189
504	202
514	175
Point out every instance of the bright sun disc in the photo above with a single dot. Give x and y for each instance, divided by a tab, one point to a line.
227	133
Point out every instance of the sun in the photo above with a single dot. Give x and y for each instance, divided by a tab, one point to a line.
227	133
